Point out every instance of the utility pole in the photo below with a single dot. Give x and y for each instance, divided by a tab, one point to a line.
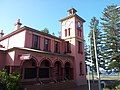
91	61
95	49
88	70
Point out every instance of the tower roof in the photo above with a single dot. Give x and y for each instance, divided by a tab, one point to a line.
72	11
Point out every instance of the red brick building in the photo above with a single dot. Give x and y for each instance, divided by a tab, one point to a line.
44	57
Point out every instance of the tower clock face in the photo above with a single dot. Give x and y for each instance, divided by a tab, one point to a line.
79	25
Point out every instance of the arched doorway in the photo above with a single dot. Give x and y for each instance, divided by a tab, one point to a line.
67	71
58	70
44	70
29	69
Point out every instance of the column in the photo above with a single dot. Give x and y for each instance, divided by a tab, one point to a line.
71	73
63	73
53	77
37	73
21	72
10	69
50	71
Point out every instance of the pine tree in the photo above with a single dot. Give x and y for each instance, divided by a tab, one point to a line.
45	30
110	19
94	26
87	54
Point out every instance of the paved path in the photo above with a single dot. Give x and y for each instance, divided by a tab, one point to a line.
82	87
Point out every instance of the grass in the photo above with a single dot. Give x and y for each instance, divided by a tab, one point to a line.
106	89
107	77
110	78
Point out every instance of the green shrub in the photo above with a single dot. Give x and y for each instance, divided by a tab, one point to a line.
118	87
9	81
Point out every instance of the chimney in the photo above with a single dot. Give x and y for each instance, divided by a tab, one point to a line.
1	33
18	24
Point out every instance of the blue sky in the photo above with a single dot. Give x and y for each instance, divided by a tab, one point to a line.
39	14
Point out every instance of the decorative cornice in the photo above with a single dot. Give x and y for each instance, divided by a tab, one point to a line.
75	38
38	51
73	15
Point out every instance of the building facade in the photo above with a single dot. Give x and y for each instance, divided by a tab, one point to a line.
40	56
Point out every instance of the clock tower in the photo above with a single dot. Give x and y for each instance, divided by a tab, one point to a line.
72	33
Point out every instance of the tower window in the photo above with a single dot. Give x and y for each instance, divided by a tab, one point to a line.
80	50
35	42
69	31
79	32
65	32
47	44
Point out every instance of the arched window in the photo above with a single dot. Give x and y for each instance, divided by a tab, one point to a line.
69	31
30	70
65	32
44	70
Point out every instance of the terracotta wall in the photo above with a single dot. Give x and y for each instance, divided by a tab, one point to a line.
2	59
28	41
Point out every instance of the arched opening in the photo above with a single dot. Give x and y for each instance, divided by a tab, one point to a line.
44	70
29	69
67	71
58	70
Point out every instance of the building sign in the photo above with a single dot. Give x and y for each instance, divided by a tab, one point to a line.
25	57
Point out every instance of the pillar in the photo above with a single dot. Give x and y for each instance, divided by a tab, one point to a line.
53	77
63	73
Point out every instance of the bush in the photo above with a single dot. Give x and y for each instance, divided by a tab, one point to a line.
114	85
9	81
118	87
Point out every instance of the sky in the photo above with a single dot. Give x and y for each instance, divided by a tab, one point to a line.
40	14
